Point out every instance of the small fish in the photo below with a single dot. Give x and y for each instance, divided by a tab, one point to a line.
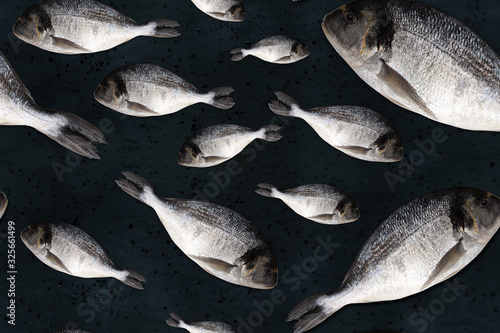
83	26
216	144
70	250
421	59
17	108
276	49
3	203
317	202
146	90
219	240
200	327
356	131
224	10
420	245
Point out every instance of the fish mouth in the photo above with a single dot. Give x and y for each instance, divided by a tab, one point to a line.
3	203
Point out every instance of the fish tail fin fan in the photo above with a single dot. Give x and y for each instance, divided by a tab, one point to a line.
3	203
271	133
221	97
137	187
133	279
175	320
284	106
162	28
266	190
237	54
75	133
312	311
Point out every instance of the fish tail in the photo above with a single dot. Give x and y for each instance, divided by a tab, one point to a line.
3	203
271	133
137	187
221	97
133	279
237	54
75	133
266	190
162	28
175	320
284	106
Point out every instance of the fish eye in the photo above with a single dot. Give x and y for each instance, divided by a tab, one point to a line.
484	203
268	270
350	18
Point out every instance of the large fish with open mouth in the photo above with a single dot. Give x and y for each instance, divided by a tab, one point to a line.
420	245
421	59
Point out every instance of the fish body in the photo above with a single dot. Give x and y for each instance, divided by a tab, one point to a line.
3	203
145	90
17	107
219	240
200	327
320	203
216	144
421	59
83	26
420	245
356	131
276	49
224	10
70	250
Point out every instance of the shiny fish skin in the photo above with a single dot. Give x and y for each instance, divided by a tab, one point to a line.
320	203
356	131
200	327
17	108
83	26
420	245
276	49
421	59
70	250
224	10
216	144
219	240
3	203
146	90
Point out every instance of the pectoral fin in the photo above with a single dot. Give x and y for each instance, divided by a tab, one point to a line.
444	266
216	14
56	261
403	88
213	159
323	217
283	59
355	149
67	44
139	108
215	264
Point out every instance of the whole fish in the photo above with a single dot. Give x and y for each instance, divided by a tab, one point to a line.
216	144
17	108
276	49
320	203
420	245
421	59
219	240
145	90
356	131
224	10
3	203
83	26
200	327
70	250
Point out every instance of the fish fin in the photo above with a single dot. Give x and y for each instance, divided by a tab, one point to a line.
323	217
284	106
135	186
444	266
266	190
75	133
310	313
215	264
218	15
175	320
56	261
140	109
283	60
221	97
133	279
3	203
163	28
214	159
354	149
271	133
68	45
401	87
237	54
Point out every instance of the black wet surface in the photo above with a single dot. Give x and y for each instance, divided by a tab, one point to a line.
44	181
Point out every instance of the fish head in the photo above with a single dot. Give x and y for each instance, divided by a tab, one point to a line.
259	268
3	203
347	211
480	214
300	51
112	92
37	237
236	13
388	148
190	155
34	26
359	30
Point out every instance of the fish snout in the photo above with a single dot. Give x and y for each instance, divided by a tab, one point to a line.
237	13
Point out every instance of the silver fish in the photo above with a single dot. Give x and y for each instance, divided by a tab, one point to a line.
320	203
421	59
216	144
219	240
70	250
420	245
276	49
200	327
224	10
145	90
3	203
356	131
83	26
17	108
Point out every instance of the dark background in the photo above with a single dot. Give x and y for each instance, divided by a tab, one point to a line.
130	232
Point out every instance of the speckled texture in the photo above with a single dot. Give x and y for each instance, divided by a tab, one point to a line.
130	232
